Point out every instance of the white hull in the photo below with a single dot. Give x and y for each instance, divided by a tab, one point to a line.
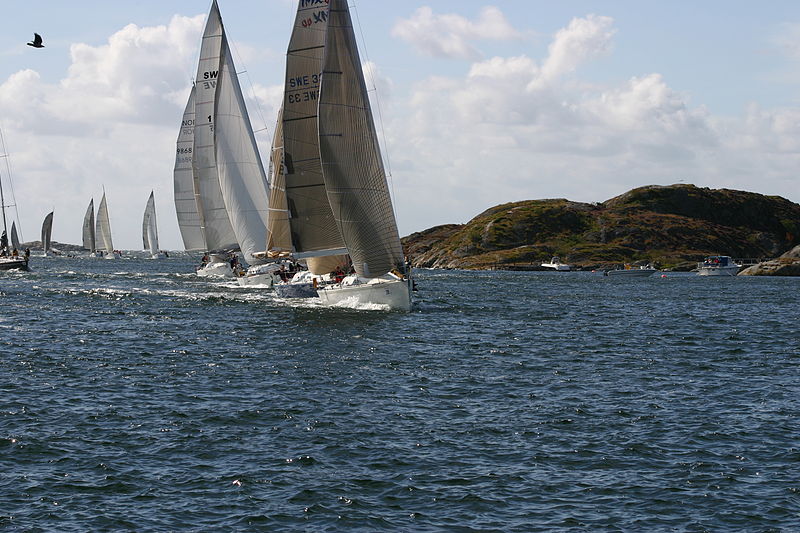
730	270
113	255
394	293
257	280
216	270
159	255
13	263
558	267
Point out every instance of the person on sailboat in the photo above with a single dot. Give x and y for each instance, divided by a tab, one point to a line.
27	253
14	253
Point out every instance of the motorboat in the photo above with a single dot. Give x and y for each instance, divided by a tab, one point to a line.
718	265
556	264
631	272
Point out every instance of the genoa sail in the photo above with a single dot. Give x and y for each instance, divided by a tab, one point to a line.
149	226
242	179
14	236
185	184
279	231
352	167
89	240
47	232
103	227
314	231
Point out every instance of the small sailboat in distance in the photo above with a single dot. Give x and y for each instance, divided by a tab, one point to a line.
150	229
89	235
14	236
103	230
47	232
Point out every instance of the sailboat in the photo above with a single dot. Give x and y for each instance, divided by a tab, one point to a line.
217	163
9	261
47	231
336	185
88	231
150	229
103	230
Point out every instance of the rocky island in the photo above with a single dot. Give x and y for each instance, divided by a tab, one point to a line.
670	226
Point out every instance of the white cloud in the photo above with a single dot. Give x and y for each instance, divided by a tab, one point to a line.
450	35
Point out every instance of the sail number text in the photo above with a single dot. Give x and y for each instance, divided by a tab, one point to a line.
315	18
310	82
209	80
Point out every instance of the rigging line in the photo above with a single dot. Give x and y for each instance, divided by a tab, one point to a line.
10	181
380	112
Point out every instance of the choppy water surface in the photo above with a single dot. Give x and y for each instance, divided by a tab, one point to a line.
134	396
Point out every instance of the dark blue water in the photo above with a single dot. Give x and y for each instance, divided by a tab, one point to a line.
134	396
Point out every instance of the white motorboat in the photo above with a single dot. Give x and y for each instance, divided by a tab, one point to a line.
718	265
556	264
631	272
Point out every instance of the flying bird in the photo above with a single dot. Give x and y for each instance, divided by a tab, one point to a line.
37	41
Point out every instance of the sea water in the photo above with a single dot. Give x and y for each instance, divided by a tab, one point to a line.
135	396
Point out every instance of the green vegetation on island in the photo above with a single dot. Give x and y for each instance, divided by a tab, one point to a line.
670	226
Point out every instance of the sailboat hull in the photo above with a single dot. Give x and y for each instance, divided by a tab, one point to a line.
13	263
216	270
394	294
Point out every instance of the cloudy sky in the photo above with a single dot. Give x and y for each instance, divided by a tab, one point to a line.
481	102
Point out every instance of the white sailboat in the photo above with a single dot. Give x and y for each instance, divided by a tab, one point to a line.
103	230
218	161
9	261
338	131
47	232
150	229
88	231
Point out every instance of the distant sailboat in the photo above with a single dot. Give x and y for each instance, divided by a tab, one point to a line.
150	229
89	235
9	261
47	231
217	163
103	230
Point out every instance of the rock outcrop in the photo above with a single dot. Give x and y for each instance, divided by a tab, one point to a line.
787	264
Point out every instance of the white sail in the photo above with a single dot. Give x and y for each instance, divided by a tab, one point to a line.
219	234
279	237
241	175
14	236
103	230
185	184
352	167
89	241
149	226
314	230
47	231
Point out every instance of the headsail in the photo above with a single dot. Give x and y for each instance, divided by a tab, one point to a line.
47	231
352	167
14	236
104	226
219	234
149	226
241	175
185	184
279	232
314	231
89	241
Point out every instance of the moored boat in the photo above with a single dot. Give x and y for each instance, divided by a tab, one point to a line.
718	265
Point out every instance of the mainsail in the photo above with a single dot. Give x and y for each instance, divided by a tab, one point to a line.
149	227
241	175
89	241
219	234
352	167
47	231
14	236
314	230
185	184
104	226
279	231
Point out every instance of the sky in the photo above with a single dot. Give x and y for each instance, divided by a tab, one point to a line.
479	103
